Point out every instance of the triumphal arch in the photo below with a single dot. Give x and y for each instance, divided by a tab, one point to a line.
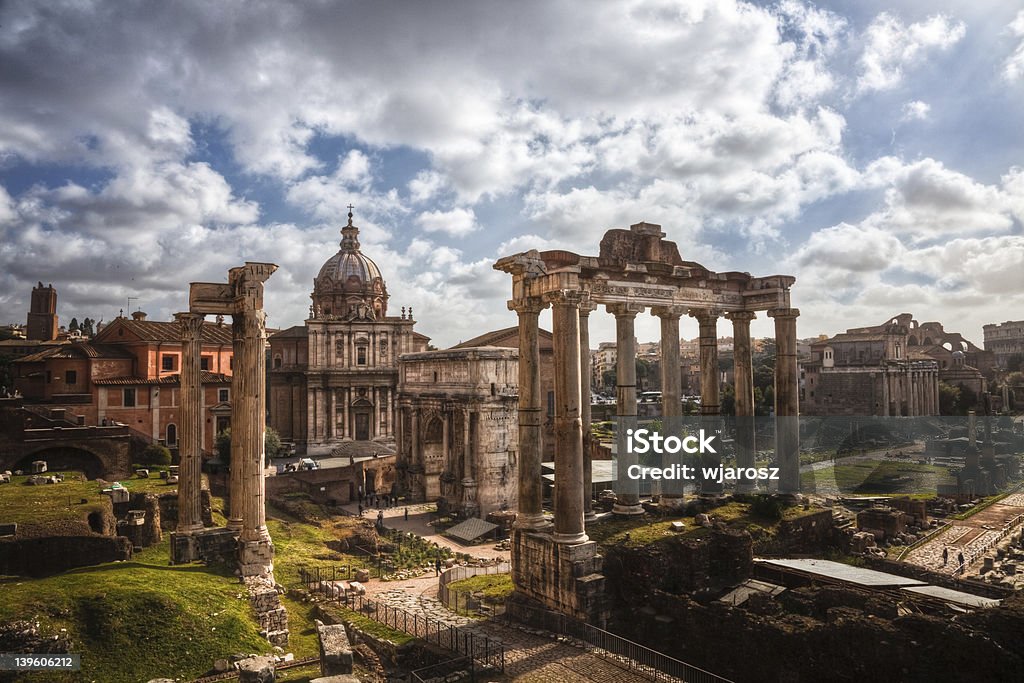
637	269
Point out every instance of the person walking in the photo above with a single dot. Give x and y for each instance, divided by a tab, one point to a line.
437	567
407	514
960	562
945	556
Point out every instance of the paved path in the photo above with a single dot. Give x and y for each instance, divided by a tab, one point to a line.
967	536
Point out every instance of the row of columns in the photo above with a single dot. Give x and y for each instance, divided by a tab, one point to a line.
570	318
916	387
324	349
329	402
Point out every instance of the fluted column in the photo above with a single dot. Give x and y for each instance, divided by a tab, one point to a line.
531	514
628	490
585	416
249	422
743	372
239	385
190	446
787	397
569	525
671	391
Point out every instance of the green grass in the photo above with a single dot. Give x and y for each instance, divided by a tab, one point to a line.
879	477
638	532
367	625
36	505
141	619
47	503
494	587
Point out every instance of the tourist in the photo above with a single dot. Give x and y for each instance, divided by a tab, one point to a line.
360	509
407	514
945	556
960	562
437	567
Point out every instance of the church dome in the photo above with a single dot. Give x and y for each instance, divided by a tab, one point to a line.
349	285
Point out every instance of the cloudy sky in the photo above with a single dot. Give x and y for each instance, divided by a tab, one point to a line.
873	150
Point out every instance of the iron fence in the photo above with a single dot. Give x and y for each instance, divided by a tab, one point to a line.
486	654
649	663
463	601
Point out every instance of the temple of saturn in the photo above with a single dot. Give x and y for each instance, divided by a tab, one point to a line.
556	564
242	298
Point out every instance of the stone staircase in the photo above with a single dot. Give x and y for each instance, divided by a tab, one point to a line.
841	519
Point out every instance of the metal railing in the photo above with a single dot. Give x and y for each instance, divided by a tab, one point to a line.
463	601
642	660
485	653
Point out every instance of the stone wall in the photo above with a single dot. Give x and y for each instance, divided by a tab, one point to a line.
46	555
271	615
560	577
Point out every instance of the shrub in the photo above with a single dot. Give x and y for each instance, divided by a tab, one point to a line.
155	454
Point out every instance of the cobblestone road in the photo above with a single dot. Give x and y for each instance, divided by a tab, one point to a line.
968	536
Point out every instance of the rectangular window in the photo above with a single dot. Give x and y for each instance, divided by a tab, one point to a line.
129	398
70	377
361	355
204	363
167	362
223	395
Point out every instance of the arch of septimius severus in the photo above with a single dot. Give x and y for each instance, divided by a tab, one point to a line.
636	269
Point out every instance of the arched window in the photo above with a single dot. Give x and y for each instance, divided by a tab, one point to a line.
172	435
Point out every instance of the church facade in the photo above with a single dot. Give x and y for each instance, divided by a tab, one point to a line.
334	380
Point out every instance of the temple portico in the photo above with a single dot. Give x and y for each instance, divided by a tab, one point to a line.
636	270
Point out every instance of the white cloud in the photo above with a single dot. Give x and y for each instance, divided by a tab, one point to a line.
1013	66
915	110
457	222
890	47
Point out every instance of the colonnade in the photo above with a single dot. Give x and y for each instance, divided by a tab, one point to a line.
570	319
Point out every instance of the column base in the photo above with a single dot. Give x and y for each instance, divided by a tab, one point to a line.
183	548
570	539
589	516
234	525
255	558
531	521
556	576
628	510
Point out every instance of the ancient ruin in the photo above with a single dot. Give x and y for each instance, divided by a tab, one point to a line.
242	298
557	565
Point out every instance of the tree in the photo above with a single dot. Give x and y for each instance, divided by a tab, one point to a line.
271	444
949	399
608	380
155	454
73	325
728	400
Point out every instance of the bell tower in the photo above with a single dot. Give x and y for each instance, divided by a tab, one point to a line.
42	314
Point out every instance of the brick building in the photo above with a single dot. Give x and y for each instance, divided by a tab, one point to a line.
129	374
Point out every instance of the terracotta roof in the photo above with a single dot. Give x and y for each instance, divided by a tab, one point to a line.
206	378
157	331
77	350
296	332
508	335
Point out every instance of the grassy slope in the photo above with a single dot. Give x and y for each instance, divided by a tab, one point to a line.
881	477
137	620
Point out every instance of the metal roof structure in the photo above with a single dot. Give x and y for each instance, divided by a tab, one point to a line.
471	530
953	596
844	572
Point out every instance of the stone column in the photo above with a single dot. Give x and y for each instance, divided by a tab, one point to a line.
743	371
238	454
885	392
585	417
671	391
531	416
375	415
469	501
190	445
710	402
249	424
625	380
569	525
787	396
346	398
